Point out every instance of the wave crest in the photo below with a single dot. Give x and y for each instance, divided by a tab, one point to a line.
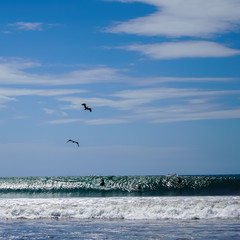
90	186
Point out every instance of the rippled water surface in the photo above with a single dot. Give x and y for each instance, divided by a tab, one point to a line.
120	229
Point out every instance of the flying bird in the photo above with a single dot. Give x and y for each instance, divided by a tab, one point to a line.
70	140
86	107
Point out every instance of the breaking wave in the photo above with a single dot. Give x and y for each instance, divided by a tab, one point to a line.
116	186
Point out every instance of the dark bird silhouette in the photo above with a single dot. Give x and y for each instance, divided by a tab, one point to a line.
86	107
70	140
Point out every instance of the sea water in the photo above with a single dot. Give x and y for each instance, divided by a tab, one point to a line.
124	207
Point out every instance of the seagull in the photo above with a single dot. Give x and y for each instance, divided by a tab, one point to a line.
86	108
70	140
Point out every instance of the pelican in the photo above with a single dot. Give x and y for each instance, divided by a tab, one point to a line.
86	108
70	140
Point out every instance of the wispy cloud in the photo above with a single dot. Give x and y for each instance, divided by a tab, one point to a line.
148	104
130	99
37	92
15	71
144	98
54	111
177	18
187	49
103	121
49	111
28	26
5	99
193	115
100	121
65	121
148	81
151	94
11	94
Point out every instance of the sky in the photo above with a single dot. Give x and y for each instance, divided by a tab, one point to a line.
162	78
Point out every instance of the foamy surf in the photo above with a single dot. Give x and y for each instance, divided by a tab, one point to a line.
139	208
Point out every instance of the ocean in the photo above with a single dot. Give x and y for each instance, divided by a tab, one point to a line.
120	207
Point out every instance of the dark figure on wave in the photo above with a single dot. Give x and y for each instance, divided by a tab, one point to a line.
139	187
102	183
70	140
179	180
86	107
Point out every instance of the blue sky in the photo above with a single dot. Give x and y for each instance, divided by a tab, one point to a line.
162	78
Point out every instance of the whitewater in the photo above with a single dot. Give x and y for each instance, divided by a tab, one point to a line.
130	208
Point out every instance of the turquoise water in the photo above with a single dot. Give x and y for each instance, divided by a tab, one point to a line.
90	186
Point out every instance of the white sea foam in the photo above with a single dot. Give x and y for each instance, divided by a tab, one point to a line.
150	208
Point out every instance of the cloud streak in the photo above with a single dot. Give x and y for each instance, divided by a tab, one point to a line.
11	94
15	71
189	49
29	26
65	121
37	92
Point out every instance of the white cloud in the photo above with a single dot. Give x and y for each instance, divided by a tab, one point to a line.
100	121
106	121
28	26
156	80
184	18
65	121
10	94
5	99
13	71
151	94
188	49
179	112
49	111
54	111
37	92
176	18
201	115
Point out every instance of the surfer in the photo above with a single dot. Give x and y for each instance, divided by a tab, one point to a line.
102	183
179	180
70	140
86	108
139	187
